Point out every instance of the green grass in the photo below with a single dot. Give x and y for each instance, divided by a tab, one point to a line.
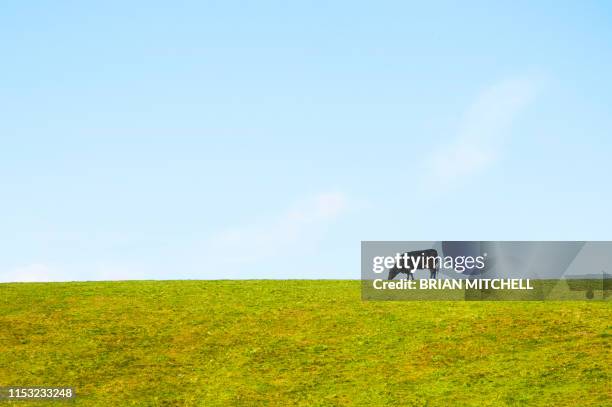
310	343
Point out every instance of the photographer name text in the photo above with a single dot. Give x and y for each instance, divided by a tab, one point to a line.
455	284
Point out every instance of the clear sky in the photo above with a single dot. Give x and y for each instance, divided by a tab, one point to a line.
262	139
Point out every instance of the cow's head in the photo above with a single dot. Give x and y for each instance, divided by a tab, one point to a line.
393	272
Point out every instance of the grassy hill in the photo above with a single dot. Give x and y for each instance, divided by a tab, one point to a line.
310	343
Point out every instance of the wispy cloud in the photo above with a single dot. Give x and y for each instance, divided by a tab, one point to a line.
288	232
41	272
483	128
34	272
292	232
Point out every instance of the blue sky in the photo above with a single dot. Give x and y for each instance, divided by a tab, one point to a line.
267	139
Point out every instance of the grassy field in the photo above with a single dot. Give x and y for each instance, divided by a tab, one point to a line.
310	343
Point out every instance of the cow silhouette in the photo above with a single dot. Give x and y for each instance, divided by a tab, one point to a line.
417	260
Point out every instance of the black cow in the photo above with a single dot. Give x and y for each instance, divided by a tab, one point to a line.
423	259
